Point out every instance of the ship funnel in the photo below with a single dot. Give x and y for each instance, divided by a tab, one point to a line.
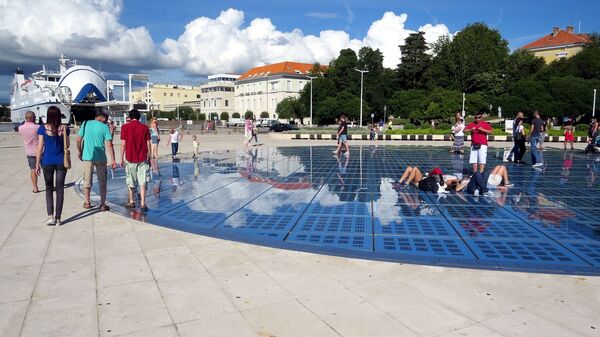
18	71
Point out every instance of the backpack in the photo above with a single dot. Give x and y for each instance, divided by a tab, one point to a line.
431	183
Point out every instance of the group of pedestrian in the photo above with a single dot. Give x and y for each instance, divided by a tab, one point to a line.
47	147
250	131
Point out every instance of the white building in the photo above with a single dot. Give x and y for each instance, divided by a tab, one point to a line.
260	89
217	95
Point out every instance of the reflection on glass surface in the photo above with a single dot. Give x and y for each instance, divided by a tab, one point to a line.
305	197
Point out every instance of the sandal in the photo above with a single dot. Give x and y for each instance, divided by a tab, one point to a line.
104	208
130	205
144	208
87	205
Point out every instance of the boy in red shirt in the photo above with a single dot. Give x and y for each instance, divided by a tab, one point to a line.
135	156
479	130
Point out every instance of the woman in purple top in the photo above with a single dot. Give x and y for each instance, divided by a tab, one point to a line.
50	159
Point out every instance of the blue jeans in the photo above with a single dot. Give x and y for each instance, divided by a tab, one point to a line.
174	148
478	182
536	156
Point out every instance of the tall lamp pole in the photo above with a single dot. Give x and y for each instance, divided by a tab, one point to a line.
594	105
311	100
463	109
362	72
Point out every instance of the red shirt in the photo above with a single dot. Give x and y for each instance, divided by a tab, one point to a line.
477	136
136	136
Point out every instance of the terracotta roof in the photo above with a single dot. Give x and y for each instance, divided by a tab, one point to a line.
294	68
561	38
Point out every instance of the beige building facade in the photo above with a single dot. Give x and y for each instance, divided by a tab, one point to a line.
558	44
167	97
260	89
218	94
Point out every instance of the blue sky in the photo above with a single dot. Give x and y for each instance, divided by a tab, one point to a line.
183	41
518	21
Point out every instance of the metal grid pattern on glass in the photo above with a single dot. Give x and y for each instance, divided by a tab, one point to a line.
306	198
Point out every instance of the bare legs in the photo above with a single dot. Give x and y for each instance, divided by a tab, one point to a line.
34	179
502	172
411	175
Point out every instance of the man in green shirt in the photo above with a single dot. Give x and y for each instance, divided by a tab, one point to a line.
92	139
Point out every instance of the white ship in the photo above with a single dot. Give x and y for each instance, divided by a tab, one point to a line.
78	91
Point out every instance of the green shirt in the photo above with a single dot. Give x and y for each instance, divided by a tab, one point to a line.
94	134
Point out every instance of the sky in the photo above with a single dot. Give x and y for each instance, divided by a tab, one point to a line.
184	41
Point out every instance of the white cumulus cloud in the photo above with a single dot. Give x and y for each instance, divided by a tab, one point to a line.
36	30
226	44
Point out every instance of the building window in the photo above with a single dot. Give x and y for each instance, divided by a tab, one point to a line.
165	94
178	95
186	95
197	96
289	85
226	102
171	94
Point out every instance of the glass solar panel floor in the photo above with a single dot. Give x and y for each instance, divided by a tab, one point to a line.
305	198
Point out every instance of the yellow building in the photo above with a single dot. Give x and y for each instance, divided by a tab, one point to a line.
167	96
559	44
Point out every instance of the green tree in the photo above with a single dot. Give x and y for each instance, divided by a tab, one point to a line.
342	71
224	116
290	108
376	83
523	63
264	114
202	117
249	114
415	60
235	115
405	103
475	50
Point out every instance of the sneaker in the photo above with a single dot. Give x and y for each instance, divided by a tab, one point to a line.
489	194
57	222
50	221
476	193
538	165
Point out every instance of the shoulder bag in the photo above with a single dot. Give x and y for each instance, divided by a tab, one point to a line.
67	154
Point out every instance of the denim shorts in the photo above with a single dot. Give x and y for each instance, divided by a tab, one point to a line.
343	138
31	162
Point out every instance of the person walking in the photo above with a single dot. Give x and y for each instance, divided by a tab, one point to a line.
342	136
458	135
174	140
544	133
569	135
520	139
53	140
247	131
537	125
254	132
515	148
28	131
135	156
93	138
154	137
479	130
195	146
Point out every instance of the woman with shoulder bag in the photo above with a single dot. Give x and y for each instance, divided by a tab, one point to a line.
520	140
53	159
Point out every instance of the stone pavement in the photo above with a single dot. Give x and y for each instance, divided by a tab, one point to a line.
103	275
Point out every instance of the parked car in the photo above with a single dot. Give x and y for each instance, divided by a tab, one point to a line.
266	122
236	122
280	127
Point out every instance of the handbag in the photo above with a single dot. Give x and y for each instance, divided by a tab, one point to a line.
476	146
67	154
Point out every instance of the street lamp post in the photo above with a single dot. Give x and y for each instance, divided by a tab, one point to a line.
311	99
594	105
463	109
362	72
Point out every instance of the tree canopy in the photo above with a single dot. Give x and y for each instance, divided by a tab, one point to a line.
430	78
